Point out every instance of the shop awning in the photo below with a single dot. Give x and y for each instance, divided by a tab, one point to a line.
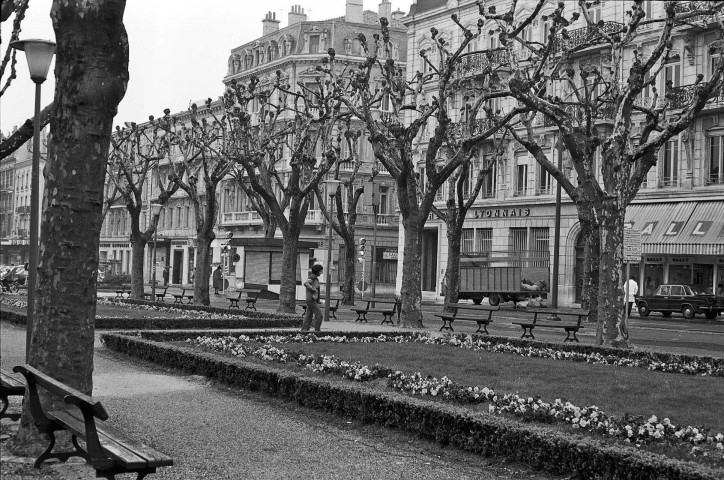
684	228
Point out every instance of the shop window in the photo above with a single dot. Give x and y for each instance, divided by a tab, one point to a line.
654	273
716	160
540	246
670	164
518	240
485	240
467	241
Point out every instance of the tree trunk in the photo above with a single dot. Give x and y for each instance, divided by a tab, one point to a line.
91	34
452	273
138	250
591	261
611	327
203	269
288	287
411	291
350	273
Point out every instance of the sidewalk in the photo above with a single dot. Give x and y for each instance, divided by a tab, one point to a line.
213	432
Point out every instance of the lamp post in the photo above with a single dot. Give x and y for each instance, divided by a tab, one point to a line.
155	211
331	192
39	54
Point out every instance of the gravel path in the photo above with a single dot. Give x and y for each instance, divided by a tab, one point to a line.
214	432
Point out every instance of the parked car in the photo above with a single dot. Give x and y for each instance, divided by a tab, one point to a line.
680	298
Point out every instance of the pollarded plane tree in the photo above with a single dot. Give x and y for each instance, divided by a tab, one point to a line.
196	166
393	138
346	201
136	151
16	10
92	34
575	99
287	171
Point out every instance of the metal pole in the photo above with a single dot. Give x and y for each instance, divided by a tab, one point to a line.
34	226
374	249
153	276
329	261
557	232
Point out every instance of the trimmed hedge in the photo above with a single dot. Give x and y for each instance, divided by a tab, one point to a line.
537	446
120	323
204	308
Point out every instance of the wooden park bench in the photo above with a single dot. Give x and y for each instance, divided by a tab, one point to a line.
462	311
251	297
570	328
10	386
107	450
333	307
388	308
160	293
179	297
125	290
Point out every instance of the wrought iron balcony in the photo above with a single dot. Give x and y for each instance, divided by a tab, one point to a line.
475	63
578	113
460	130
684	95
587	34
686	7
23	209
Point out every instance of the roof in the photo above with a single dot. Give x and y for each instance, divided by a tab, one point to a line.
372	18
426	5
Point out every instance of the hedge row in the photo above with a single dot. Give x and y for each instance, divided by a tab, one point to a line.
204	308
176	323
539	447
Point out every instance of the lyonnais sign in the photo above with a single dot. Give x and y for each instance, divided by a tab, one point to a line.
501	212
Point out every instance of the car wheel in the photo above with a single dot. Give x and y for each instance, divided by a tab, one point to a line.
687	311
644	310
477	301
711	315
666	313
14	287
494	299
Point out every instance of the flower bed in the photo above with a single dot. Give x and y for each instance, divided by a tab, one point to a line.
538	446
633	429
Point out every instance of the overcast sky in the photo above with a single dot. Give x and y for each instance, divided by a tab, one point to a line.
178	50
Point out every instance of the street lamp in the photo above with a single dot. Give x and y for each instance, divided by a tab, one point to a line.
332	186
39	54
155	211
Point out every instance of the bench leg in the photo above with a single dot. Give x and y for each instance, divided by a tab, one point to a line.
482	328
387	319
62	456
446	325
527	333
571	338
234	304
361	317
250	306
332	314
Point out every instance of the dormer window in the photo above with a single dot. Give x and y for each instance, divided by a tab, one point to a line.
314	44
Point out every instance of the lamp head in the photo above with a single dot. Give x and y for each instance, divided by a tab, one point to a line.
39	54
156	209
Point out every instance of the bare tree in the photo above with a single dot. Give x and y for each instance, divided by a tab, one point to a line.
92	34
549	83
393	140
135	155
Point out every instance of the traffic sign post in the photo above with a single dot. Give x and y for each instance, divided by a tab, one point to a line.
632	250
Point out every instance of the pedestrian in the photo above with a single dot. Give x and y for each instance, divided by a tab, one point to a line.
312	296
630	288
165	275
217	279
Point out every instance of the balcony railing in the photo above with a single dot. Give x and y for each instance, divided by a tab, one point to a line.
23	209
476	62
668	182
251	217
714	179
587	34
578	113
684	95
686	7
386	220
460	130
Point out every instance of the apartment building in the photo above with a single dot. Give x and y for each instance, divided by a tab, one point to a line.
680	208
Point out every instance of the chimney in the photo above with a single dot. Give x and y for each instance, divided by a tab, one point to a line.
385	9
354	11
398	14
270	23
297	15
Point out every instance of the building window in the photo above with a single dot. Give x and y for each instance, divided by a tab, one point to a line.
672	74
521	174
485	240
467	241
518	240
384	208
178	216
490	185
170	217
544	178
670	164
314	44
540	246
716	160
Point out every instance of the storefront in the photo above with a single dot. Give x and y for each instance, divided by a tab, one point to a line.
683	243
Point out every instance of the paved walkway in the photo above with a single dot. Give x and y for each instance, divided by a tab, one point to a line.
214	432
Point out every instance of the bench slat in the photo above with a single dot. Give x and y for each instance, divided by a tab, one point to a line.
131	454
10	382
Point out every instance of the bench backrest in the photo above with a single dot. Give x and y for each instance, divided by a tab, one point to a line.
386	301
35	377
484	308
571	312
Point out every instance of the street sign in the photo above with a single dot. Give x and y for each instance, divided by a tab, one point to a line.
632	247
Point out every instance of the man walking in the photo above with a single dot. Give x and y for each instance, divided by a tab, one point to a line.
312	291
216	279
631	288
